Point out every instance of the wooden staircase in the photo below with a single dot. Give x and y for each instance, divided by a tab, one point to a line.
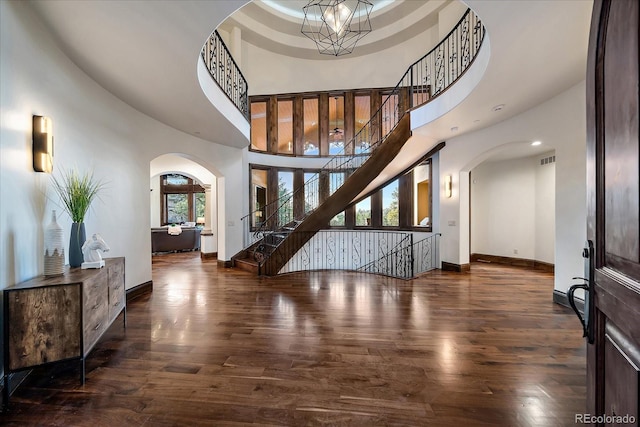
297	236
249	259
429	76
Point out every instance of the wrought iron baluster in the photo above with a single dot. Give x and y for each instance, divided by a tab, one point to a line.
225	72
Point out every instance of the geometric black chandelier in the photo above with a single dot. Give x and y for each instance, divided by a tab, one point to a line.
336	25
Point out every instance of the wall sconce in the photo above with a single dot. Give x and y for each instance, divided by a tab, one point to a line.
448	186
42	129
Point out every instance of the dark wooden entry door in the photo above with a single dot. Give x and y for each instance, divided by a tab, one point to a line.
613	172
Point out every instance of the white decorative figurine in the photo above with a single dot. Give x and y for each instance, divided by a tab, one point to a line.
92	258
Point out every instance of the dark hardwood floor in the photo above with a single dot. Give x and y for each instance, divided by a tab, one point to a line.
214	346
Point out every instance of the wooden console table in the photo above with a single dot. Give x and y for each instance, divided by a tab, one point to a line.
60	318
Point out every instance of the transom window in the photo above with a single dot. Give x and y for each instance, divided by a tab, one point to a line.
323	123
362	117
311	137
285	126
259	125
336	125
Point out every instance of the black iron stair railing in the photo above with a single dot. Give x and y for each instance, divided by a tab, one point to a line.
395	263
408	259
226	73
424	79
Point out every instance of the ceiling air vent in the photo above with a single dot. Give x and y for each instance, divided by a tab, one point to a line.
547	160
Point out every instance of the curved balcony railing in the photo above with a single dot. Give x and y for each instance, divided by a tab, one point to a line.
425	79
226	73
388	253
372	251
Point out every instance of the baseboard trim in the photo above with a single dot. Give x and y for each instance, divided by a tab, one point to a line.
560	297
516	262
458	268
225	264
140	290
544	266
208	255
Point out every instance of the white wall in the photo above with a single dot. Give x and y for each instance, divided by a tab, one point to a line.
561	125
92	130
448	17
545	210
512	209
154	201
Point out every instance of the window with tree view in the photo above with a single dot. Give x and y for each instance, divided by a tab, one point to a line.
403	203
311	191
182	199
336	179
363	212
285	197
390	207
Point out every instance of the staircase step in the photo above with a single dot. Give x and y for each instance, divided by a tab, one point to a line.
246	264
275	238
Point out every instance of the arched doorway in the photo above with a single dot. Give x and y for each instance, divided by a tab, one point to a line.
202	177
511	191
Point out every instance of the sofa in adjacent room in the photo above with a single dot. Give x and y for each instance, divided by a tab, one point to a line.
187	240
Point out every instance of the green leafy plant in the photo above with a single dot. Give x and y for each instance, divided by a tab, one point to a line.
77	191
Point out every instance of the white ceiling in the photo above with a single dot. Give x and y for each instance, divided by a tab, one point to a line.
275	25
145	52
538	49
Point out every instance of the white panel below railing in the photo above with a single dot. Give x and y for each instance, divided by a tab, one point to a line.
358	249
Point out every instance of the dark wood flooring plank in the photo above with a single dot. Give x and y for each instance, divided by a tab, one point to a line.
216	346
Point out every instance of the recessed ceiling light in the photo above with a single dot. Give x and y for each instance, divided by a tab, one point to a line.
536	143
498	107
454	129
